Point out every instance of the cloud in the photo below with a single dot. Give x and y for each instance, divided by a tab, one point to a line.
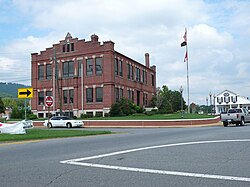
6	64
16	66
218	32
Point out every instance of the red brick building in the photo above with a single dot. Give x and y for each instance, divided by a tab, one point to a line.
89	77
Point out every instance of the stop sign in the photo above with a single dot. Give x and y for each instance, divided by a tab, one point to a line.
48	101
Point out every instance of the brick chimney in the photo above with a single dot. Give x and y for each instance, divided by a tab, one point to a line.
147	60
94	38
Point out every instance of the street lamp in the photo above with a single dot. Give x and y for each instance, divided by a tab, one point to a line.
181	90
207	103
214	104
210	95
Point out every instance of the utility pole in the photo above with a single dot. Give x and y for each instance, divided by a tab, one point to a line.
57	84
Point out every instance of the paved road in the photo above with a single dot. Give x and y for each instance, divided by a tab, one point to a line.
201	156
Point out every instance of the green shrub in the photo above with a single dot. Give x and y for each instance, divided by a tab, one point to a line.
138	109
84	116
150	113
2	120
125	107
161	111
106	115
115	110
31	116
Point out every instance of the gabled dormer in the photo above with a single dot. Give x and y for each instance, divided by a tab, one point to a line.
68	45
227	97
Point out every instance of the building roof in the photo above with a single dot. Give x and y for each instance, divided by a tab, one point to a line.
227	91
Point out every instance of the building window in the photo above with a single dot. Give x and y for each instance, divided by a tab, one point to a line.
227	99
144	76
145	99
98	114
48	71
234	99
120	68
68	47
132	72
98	66
121	93
79	62
116	66
90	114
65	96
99	94
68	96
48	93
71	96
116	94
40	72
128	71
40	98
89	92
132	95
138	75
219	100
153	79
68	69
89	67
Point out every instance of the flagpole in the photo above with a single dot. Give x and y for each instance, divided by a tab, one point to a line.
187	78
186	60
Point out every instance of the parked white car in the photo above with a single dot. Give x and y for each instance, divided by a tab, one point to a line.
62	121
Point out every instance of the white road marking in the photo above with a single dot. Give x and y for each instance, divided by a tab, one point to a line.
176	173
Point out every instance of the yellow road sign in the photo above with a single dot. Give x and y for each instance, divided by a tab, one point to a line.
24	93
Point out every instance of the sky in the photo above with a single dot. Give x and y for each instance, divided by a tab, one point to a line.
218	34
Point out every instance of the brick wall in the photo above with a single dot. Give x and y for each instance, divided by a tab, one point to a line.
146	123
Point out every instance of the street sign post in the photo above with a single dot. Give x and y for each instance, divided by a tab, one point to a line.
25	93
48	101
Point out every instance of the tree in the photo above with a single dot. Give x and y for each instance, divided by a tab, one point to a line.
10	102
2	107
123	107
17	106
168	101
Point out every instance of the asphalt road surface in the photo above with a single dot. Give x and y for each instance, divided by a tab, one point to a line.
199	156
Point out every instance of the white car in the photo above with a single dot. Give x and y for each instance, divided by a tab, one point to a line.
62	121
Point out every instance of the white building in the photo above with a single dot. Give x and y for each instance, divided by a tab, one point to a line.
227	99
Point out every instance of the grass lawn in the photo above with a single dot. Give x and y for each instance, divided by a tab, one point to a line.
155	117
34	134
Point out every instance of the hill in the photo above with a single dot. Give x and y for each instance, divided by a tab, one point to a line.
10	89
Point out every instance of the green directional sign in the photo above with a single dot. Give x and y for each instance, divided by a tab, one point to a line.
24	93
